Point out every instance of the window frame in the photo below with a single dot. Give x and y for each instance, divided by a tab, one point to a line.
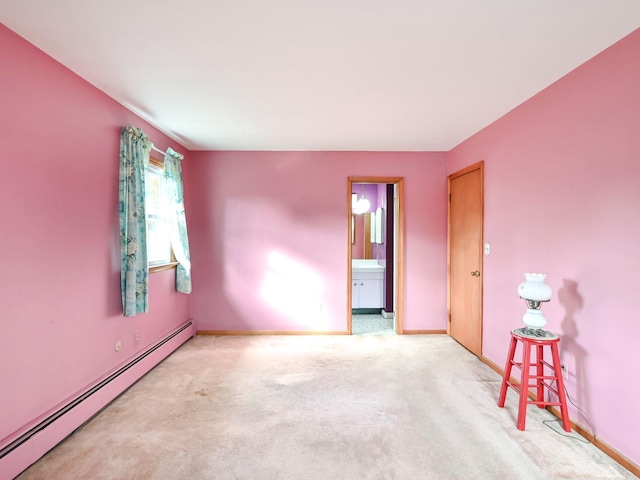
160	266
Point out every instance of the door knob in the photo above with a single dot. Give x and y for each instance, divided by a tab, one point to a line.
475	274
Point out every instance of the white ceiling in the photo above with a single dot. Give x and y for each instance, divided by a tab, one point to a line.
397	75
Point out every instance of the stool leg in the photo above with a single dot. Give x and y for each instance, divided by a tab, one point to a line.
540	373
507	372
557	368
524	384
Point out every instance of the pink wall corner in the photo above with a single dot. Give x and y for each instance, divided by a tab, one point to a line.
269	237
562	189
60	295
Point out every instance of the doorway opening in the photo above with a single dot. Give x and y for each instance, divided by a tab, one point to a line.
375	253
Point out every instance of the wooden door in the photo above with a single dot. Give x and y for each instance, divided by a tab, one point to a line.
465	257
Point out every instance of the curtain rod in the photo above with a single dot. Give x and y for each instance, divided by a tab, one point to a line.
135	132
172	153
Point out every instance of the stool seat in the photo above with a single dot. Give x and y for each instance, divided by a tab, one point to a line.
540	380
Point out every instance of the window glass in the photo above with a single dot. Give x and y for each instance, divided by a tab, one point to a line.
158	239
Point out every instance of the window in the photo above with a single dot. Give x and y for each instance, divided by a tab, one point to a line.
160	255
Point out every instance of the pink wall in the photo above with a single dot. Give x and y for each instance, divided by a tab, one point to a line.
60	289
562	191
269	237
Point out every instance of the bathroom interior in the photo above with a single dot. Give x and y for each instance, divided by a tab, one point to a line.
372	259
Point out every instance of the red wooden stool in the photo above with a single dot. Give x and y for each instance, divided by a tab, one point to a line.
541	381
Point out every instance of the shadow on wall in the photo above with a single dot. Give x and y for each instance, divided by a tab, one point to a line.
572	352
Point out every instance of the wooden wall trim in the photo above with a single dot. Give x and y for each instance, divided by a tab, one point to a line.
304	332
268	332
424	332
586	433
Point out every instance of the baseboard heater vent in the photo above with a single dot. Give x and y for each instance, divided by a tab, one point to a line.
125	376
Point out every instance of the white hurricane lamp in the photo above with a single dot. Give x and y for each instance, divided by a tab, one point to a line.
534	291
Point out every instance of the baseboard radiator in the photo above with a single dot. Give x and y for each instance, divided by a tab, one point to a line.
24	450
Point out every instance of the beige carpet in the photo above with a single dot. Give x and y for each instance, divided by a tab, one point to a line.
320	407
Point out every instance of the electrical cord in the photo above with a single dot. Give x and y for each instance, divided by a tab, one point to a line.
572	437
557	420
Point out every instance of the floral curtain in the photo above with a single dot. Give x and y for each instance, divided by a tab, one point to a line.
134	161
177	220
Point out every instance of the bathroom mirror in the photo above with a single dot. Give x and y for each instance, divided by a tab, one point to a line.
368	227
361	244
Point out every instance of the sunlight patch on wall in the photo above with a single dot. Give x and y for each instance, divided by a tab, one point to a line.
294	290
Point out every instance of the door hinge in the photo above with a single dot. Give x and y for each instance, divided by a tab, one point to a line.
449	198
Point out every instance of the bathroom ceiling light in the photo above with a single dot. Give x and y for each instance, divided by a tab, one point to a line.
363	205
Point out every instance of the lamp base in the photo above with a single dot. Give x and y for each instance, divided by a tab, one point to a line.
533	319
534	332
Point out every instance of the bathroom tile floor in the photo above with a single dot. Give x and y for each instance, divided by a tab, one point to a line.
371	324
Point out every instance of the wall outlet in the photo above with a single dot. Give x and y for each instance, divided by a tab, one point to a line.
136	337
565	369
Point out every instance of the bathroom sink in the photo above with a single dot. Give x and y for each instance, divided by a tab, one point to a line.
367	266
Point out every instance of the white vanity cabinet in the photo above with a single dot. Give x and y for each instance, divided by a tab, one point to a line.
367	288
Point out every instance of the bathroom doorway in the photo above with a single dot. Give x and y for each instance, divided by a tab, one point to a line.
375	253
